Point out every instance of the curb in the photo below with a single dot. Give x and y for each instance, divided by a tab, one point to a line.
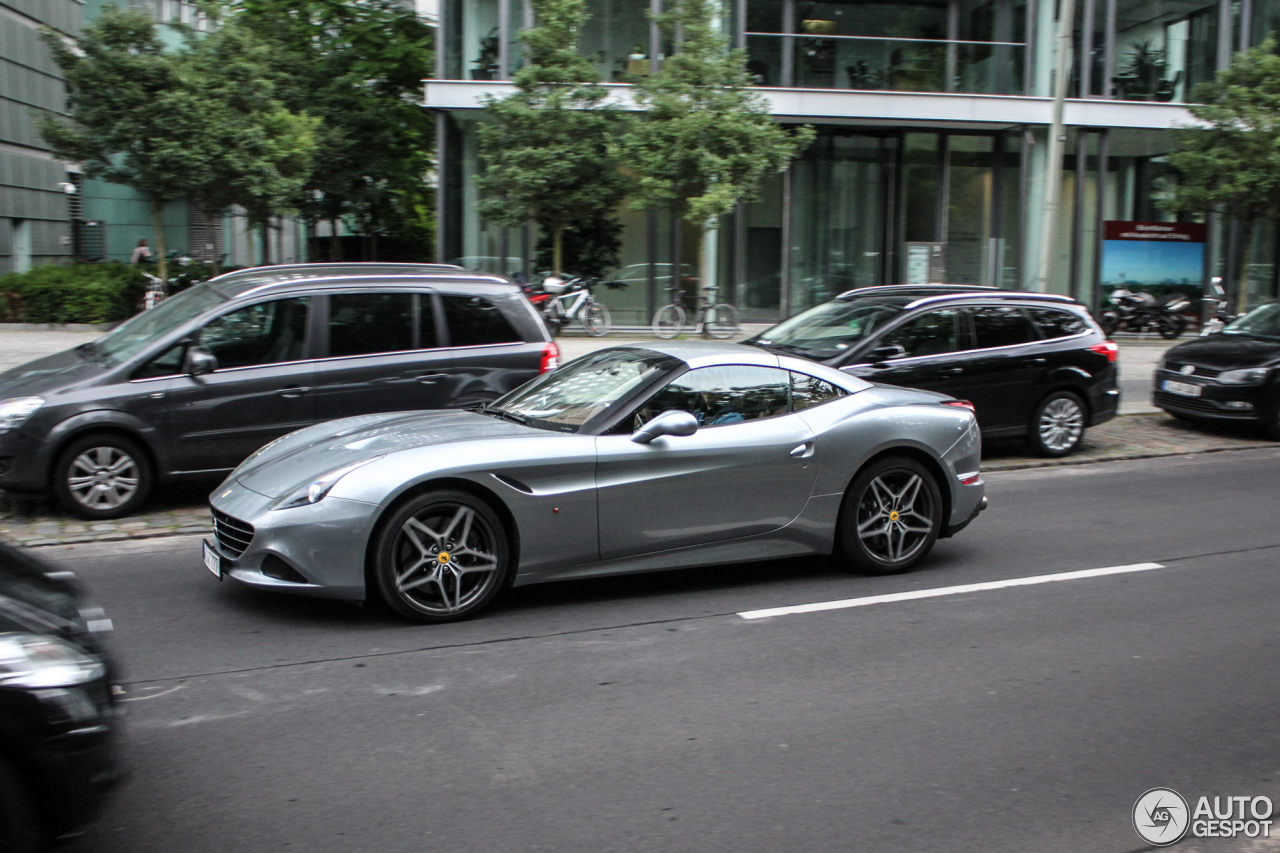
996	467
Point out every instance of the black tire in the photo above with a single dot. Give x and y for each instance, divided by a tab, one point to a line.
409	572
1272	423
20	830
1109	324
878	504
1057	425
105	466
1172	327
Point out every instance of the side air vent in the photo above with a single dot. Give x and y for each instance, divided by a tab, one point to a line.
274	567
513	483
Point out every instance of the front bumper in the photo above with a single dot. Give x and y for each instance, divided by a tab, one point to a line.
1216	401
24	462
325	543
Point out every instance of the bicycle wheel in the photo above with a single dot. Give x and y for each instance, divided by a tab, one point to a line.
721	321
668	322
595	319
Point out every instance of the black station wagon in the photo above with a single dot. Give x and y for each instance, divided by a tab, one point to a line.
1032	364
195	385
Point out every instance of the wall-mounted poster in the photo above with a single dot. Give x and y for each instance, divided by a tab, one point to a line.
1157	257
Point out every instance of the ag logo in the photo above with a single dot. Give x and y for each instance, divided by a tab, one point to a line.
1161	817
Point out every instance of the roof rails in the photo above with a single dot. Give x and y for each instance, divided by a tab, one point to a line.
881	288
1017	295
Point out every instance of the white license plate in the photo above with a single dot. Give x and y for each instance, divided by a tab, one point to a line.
1186	389
212	561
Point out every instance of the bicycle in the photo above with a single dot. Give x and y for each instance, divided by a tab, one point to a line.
573	299
155	293
717	320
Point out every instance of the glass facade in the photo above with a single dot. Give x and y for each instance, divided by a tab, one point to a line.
844	213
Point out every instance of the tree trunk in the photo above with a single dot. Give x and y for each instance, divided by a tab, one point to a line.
1246	257
157	222
335	247
557	250
265	229
373	246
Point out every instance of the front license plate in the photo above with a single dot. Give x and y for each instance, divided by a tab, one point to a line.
212	561
1186	389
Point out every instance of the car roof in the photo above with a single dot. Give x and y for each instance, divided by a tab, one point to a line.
928	293
444	278
234	283
911	289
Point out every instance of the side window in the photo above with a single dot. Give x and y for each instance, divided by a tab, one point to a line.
809	391
266	333
366	323
475	321
727	394
933	333
1001	327
1054	323
167	363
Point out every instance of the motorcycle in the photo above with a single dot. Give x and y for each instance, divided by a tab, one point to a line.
1141	312
1219	303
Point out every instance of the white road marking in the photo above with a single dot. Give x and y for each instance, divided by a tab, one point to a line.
946	590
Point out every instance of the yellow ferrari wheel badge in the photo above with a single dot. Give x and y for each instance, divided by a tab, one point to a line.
893	515
443	557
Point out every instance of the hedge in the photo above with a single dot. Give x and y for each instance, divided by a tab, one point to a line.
80	293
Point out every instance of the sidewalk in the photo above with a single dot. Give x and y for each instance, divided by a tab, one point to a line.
1140	435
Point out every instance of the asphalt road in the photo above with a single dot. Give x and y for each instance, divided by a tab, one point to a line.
644	714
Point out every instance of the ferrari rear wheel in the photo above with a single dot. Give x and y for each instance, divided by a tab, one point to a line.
891	517
441	557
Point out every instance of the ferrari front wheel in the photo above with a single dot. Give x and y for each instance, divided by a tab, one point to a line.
441	557
891	516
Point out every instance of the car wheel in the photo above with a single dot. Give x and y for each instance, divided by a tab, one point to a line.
102	476
891	517
19	824
441	557
1057	424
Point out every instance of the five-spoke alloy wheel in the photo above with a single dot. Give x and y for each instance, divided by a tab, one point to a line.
441	557
891	517
102	476
1057	425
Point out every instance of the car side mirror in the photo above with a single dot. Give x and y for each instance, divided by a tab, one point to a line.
199	361
886	352
668	423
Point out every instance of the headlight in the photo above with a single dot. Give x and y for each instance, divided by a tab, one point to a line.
34	661
315	491
14	412
1249	376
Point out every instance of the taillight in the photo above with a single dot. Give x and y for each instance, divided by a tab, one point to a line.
550	358
1108	348
960	404
969	479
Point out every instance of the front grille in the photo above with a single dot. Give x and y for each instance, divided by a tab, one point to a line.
1202	372
233	534
1164	399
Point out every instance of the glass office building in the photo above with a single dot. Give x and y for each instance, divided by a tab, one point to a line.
931	120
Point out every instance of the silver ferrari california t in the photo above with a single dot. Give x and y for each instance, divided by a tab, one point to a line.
632	459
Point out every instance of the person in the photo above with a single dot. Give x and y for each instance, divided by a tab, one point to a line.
141	253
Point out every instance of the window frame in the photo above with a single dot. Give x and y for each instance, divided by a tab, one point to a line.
445	333
308	348
1037	336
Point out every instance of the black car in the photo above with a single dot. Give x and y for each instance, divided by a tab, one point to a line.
58	706
1032	364
195	385
1233	375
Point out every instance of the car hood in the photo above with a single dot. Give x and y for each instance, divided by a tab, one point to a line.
1226	352
301	457
46	375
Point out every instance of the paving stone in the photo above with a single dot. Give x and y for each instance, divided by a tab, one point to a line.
48	527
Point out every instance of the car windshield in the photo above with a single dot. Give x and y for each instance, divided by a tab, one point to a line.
1261	322
136	334
829	329
574	394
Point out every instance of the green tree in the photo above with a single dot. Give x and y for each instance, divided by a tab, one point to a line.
545	152
1230	164
133	120
260	154
705	139
358	68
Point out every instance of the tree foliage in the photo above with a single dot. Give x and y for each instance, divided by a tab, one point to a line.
705	140
1230	163
358	68
545	152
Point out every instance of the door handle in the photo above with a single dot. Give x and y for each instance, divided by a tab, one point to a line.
951	371
802	451
1034	362
294	391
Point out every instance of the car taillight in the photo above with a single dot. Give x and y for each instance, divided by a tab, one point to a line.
969	479
1108	348
550	358
961	404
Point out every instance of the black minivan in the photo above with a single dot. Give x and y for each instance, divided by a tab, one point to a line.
1034	365
195	385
